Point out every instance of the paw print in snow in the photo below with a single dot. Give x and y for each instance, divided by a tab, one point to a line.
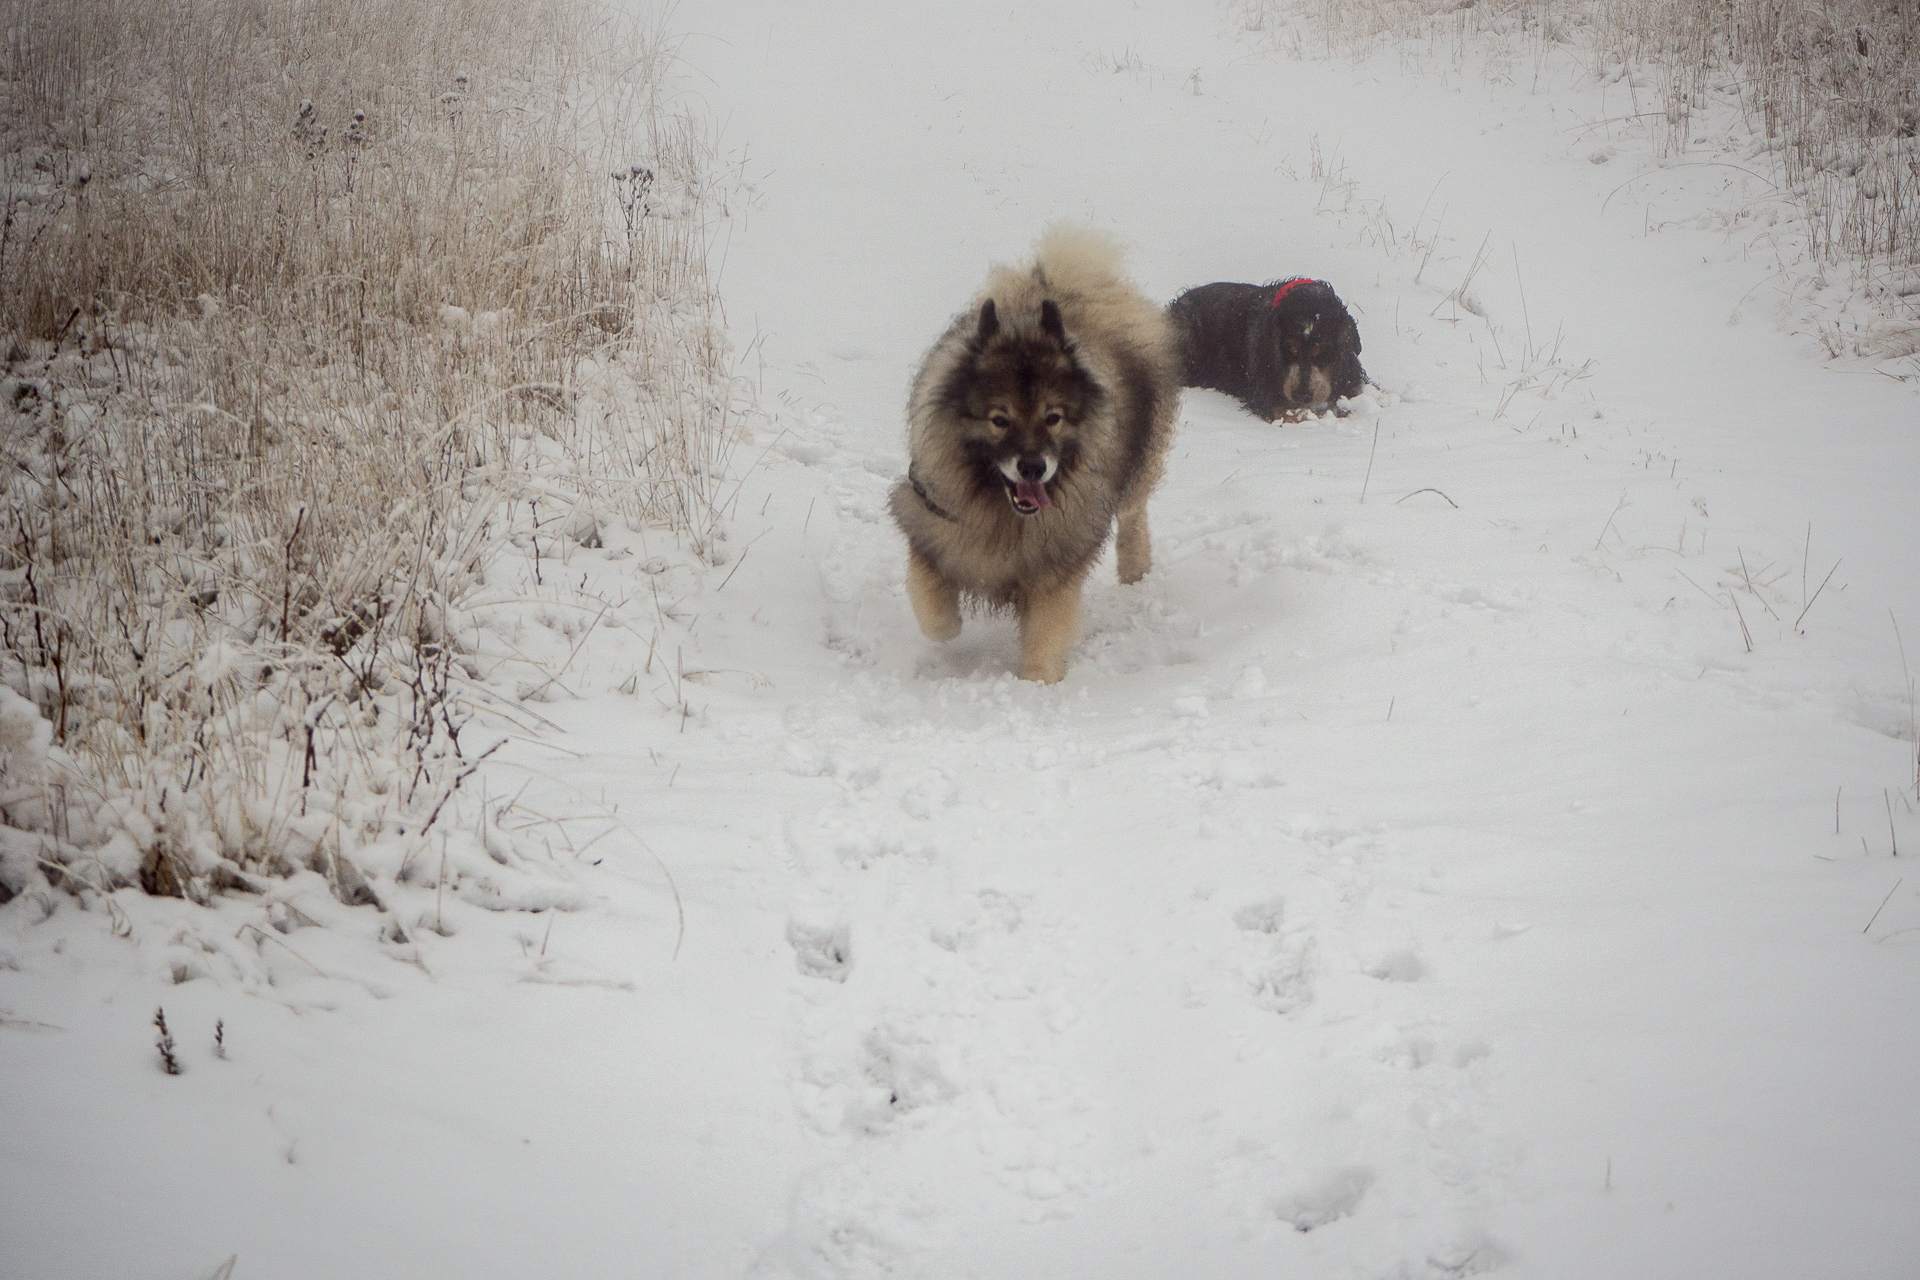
1325	1199
1472	1255
906	1073
1282	979
1261	917
1397	966
1286	985
822	951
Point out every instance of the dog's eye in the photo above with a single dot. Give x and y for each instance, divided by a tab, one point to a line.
1001	421
1052	419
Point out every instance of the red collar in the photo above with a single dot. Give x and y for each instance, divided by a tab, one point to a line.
1289	287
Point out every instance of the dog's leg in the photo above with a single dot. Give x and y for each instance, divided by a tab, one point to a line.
1134	546
1047	627
936	602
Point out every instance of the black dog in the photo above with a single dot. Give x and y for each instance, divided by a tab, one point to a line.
1277	348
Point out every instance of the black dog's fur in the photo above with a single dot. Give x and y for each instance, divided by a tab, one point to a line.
1302	353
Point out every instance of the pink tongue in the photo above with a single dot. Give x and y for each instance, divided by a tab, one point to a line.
1033	493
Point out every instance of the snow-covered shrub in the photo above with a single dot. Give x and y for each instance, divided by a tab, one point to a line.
304	313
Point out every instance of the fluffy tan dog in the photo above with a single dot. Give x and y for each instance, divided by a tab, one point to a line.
1038	420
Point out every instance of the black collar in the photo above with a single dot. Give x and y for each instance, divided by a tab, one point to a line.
921	490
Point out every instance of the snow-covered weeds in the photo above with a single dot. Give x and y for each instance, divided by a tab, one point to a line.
306	312
1829	94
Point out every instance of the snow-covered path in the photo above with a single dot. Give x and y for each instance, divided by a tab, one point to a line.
1448	880
1431	885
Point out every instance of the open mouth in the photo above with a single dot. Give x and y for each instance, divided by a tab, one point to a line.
1026	477
1028	496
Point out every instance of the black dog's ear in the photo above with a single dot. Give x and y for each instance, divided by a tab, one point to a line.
1050	322
989	322
1353	331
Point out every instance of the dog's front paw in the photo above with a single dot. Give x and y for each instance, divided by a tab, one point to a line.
935	600
1044	670
940	628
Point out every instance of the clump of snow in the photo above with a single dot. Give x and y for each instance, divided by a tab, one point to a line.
26	739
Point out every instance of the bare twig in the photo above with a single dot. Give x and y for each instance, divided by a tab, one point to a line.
1751	589
1806	554
1691	164
740	561
679	907
1745	635
1525	315
264	936
1816	594
1883	903
1702	590
1618	507
1459	294
1369	476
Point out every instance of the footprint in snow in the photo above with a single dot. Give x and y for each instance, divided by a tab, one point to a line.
1408	1052
1281	981
1474	1254
929	795
992	912
841	1224
1469	1052
1261	917
905	1072
1328	1198
854	837
1286	985
1397	966
822	951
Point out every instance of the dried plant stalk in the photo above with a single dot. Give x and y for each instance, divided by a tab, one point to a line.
298	305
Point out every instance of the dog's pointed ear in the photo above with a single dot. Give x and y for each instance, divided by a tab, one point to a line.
989	322
1050	322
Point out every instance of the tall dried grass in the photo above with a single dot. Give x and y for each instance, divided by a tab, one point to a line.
1831	88
299	302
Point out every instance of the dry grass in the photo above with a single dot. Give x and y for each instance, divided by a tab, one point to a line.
301	305
1829	88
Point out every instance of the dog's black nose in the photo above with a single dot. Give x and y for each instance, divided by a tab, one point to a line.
1032	468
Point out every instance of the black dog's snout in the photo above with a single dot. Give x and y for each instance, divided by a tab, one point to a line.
1032	468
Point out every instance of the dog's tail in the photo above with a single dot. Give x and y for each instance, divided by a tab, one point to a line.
1083	271
1078	267
1082	260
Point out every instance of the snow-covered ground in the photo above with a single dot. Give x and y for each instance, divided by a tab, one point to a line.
1478	877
